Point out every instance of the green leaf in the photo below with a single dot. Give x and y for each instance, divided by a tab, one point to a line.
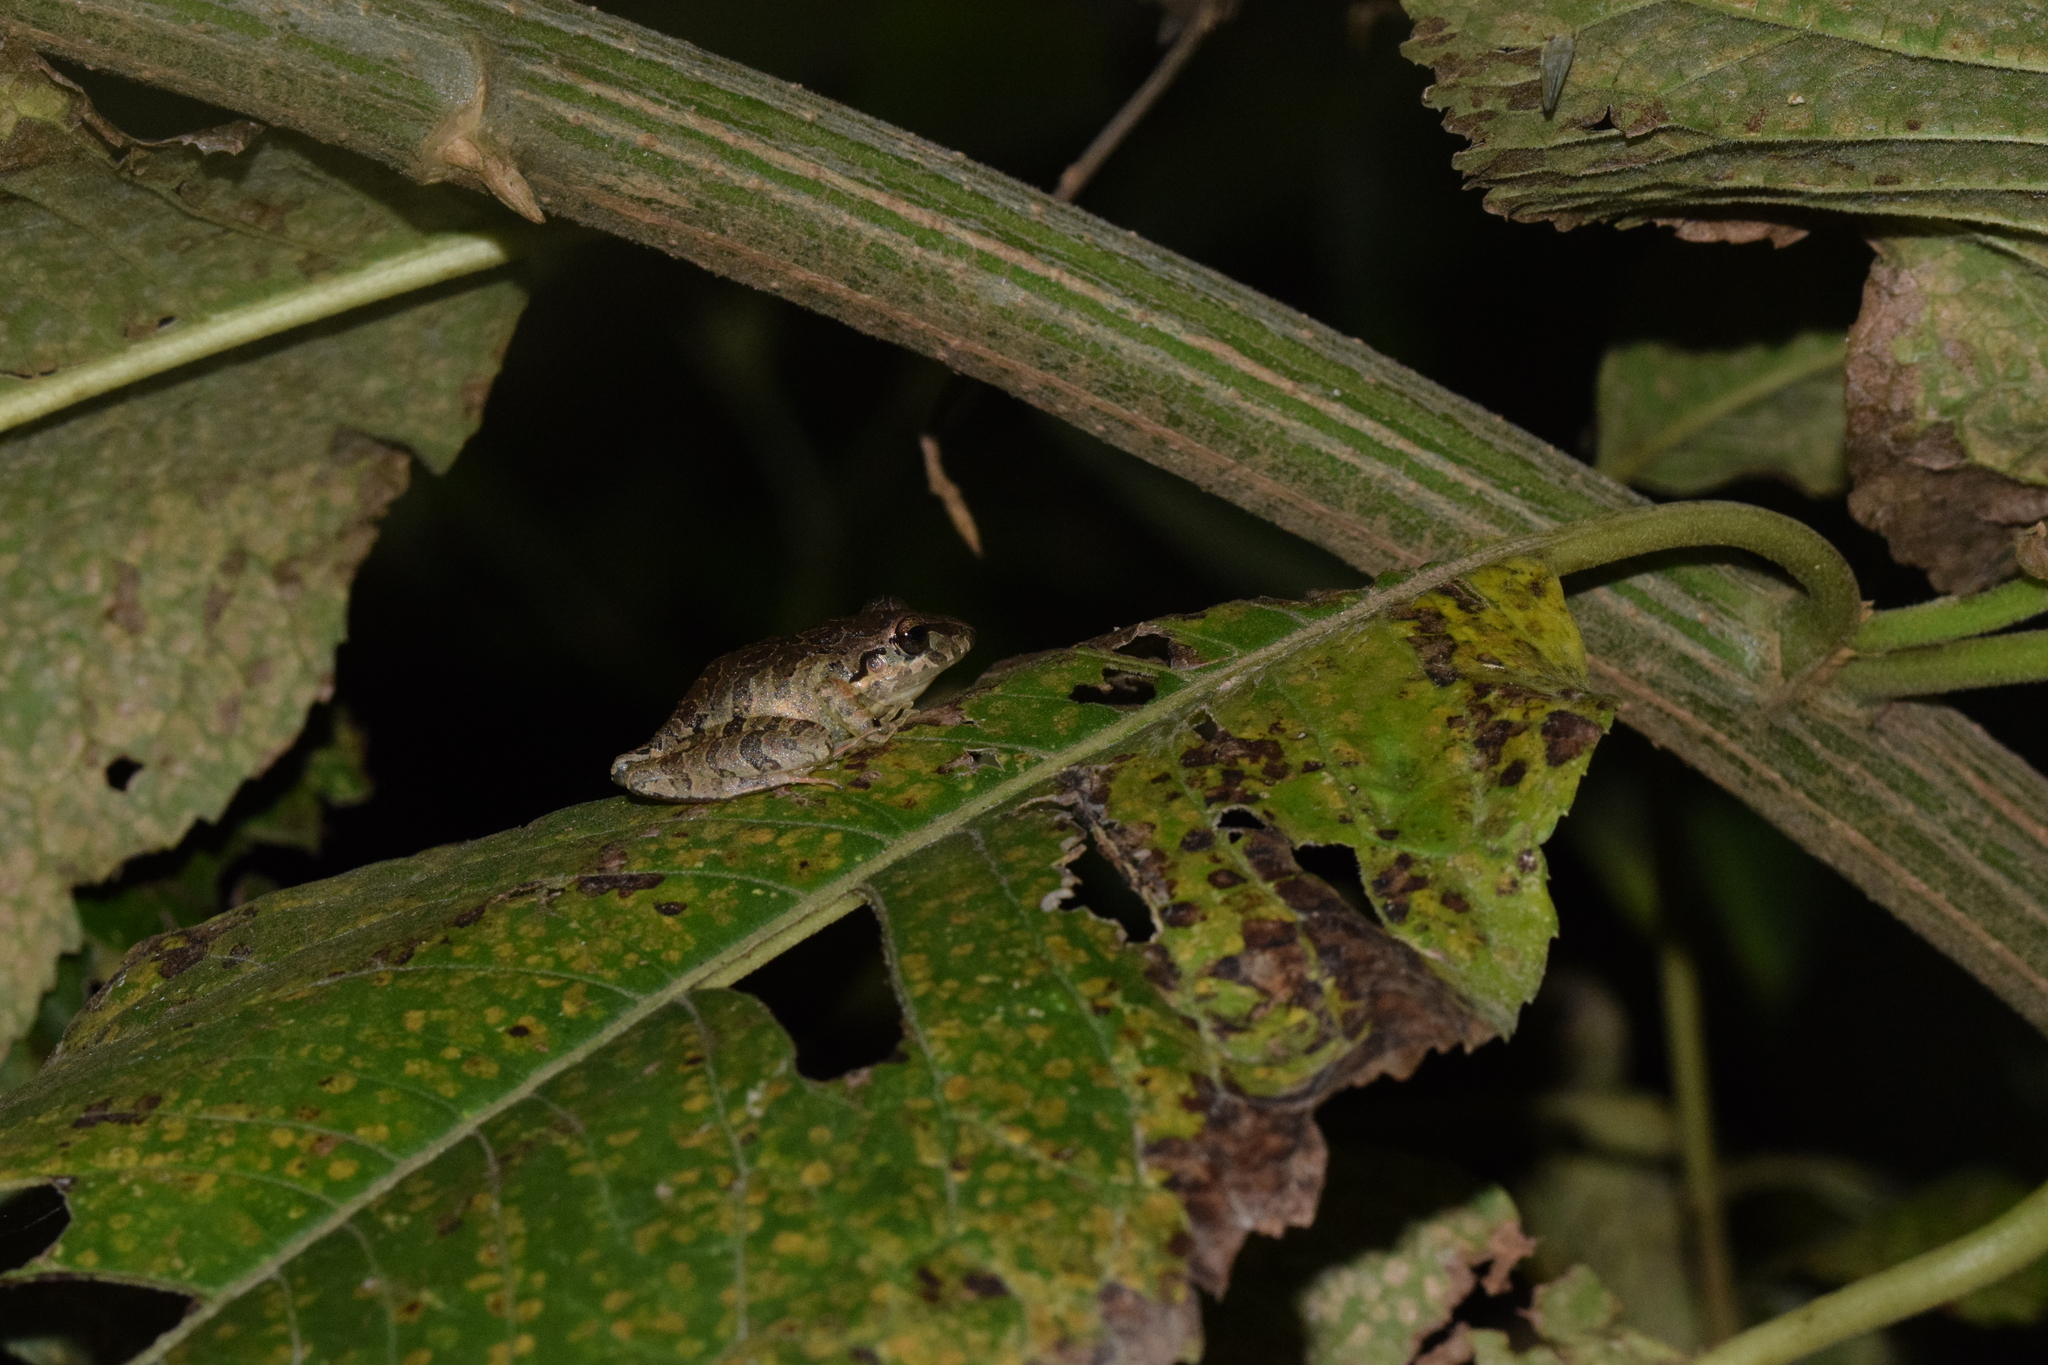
190	891
1948	403
1956	1204
1624	1219
181	560
120	252
1683	422
404	1101
1687	106
176	561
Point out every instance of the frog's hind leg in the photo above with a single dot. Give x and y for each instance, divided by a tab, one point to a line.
746	755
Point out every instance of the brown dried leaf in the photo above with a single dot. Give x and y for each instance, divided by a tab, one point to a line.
1947	390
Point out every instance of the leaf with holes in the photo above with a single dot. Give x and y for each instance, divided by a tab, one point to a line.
483	1101
1682	108
1382	1308
175	559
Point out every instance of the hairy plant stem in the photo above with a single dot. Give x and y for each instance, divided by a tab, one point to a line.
1953	618
1990	661
1940	1276
1685	1044
646	137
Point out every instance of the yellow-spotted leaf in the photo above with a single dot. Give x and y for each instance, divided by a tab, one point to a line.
488	1102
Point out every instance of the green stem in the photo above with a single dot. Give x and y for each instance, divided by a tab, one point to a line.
1813	629
1954	618
1992	661
1985	1256
1685	1040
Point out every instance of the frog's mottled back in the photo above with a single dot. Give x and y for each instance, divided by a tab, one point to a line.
768	714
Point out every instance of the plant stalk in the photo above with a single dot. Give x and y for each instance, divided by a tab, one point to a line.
1940	1276
1989	661
646	137
1685	1041
1953	618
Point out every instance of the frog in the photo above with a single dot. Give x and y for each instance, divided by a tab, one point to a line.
771	714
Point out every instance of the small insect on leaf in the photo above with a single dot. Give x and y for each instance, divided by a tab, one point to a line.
1556	65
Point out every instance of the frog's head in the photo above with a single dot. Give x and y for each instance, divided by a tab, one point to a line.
901	651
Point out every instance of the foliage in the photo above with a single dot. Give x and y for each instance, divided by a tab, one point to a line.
524	1065
1706	119
445	1040
1683	423
181	557
1383	1307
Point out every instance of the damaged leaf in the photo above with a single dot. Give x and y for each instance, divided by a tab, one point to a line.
176	572
1948	403
1683	422
1384	1307
1379	1309
176	559
206	874
487	1090
1693	110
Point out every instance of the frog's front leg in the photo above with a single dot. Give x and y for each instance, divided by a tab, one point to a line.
743	756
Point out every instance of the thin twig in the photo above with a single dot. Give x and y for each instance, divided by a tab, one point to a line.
948	492
1198	26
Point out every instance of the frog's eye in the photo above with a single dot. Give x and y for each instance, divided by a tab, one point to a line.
914	641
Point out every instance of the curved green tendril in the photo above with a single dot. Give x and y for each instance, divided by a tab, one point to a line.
1823	621
1983	1257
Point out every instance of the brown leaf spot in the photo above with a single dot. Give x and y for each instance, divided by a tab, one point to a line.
1392	888
125	610
1513	774
1268	933
1493	737
1567	735
624	883
670	908
175	962
983	1285
1223	879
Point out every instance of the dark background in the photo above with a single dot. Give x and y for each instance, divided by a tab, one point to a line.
672	466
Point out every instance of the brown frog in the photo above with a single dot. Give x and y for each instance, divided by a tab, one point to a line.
766	715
